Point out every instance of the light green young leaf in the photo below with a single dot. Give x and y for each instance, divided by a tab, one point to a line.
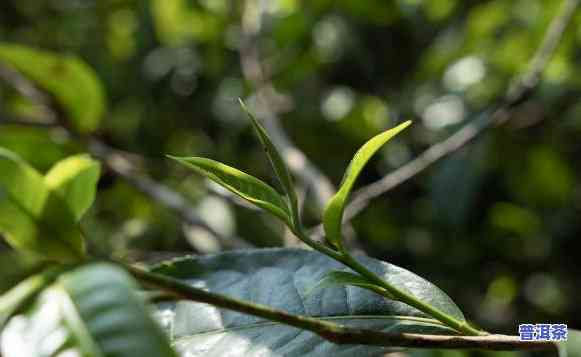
95	311
333	215
75	179
248	187
32	217
344	278
71	81
277	163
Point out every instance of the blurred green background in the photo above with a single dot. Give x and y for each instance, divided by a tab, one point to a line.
496	225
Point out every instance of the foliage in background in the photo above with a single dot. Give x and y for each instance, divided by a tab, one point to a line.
170	70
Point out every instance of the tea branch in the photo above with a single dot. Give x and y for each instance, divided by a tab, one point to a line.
333	332
517	93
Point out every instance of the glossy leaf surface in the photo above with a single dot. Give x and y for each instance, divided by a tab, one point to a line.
281	278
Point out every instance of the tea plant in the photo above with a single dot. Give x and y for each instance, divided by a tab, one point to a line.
286	209
56	298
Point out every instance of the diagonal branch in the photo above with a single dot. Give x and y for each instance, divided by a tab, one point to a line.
124	168
333	332
113	159
519	92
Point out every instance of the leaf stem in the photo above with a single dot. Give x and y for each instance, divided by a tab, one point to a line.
410	299
391	291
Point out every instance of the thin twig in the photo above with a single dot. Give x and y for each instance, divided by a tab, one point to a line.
28	90
160	193
7	120
114	159
519	92
333	332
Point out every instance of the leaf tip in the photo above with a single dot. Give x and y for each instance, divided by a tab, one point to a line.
405	124
175	158
242	104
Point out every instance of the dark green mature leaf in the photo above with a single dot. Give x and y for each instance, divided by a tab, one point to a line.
246	186
75	179
281	278
346	278
333	215
277	162
70	80
92	311
32	217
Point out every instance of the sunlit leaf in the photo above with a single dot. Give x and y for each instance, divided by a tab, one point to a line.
248	187
32	217
91	311
71	81
75	179
333	216
345	278
278	164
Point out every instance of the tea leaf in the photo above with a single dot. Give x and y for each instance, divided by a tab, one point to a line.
32	217
246	186
75	179
333	215
71	81
277	162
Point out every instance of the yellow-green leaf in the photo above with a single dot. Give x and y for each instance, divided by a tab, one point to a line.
32	217
333	215
75	180
71	81
248	187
